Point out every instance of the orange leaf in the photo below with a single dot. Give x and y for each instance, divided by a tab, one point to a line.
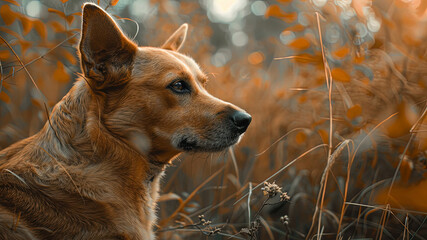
354	111
40	28
60	74
299	44
324	135
318	123
27	24
4	54
114	2
300	138
340	75
401	124
302	99
69	18
64	1
70	57
52	10
342	52
290	17
284	1
358	59
275	11
24	45
6	85
295	28
8	31
13	2
57	27
281	93
4	97
36	103
8	15
413	197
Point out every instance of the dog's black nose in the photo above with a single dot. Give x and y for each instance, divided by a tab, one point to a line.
241	120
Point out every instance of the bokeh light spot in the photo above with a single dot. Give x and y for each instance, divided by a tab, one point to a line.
224	11
34	9
258	8
221	57
239	39
287	37
256	58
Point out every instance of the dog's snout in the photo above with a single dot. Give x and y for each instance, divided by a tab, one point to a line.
241	120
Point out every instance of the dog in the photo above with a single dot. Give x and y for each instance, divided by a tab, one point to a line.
93	170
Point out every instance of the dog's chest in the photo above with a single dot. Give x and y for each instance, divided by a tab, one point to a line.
137	220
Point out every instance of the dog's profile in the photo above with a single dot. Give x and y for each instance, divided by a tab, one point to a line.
93	171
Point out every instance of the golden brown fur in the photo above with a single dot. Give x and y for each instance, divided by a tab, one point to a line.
93	171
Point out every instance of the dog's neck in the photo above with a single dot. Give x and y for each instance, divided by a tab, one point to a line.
78	115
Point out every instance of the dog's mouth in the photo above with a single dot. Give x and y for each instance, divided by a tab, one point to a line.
187	145
193	144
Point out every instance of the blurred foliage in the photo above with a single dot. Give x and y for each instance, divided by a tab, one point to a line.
370	65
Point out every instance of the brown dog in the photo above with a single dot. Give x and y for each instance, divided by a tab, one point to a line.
93	172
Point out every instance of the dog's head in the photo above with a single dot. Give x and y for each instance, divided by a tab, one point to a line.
154	98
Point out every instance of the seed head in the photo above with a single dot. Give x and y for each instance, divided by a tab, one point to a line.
284	197
284	220
271	189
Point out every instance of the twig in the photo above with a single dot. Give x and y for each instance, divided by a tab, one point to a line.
22	64
41	56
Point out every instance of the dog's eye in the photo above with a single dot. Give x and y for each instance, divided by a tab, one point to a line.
179	86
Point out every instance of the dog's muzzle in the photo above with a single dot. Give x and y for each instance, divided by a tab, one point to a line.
225	132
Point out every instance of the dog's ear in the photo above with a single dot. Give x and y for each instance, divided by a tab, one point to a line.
106	53
177	39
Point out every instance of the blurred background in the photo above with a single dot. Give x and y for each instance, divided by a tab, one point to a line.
337	91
